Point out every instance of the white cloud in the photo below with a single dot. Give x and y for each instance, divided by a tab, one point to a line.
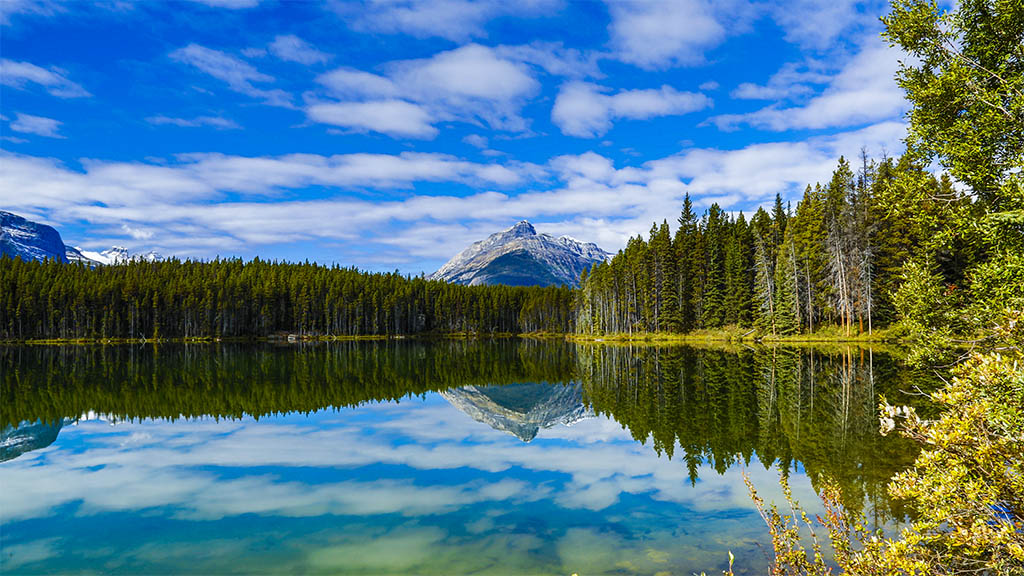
9	8
655	35
758	171
710	85
585	110
19	74
476	140
38	125
468	74
816	24
864	91
470	84
351	83
458	20
751	91
205	176
554	58
229	4
395	118
239	75
198	121
189	210
792	80
294	49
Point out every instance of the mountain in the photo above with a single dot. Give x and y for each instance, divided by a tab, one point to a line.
520	256
34	241
521	409
30	240
111	256
76	255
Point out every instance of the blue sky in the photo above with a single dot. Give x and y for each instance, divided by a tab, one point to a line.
389	135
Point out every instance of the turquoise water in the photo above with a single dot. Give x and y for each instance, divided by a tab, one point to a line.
371	459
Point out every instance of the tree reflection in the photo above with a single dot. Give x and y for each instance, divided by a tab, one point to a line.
798	407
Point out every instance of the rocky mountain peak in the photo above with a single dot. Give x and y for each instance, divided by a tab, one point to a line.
522	228
520	256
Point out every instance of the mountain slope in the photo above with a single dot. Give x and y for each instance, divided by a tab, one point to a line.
29	240
520	256
34	241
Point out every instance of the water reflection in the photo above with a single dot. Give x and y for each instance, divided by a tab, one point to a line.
275	460
787	406
521	409
27	436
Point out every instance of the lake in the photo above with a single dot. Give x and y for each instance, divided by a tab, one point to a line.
446	457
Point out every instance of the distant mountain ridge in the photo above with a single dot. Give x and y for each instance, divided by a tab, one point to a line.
111	256
519	256
34	241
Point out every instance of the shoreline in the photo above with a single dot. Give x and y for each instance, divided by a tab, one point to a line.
879	337
738	336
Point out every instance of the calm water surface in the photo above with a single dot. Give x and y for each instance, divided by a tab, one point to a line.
429	458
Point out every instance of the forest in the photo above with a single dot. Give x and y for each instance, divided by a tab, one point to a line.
232	299
835	259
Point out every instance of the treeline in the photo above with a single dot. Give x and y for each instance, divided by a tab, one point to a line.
836	260
232	298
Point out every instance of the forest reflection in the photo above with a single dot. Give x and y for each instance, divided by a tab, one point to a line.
805	409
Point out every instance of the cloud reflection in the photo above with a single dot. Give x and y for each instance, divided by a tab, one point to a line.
464	486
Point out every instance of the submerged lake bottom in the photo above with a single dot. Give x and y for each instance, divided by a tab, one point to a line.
505	457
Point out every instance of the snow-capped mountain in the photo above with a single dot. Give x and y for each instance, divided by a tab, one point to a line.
34	241
30	240
520	256
111	256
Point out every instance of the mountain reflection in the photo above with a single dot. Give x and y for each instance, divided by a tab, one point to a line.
25	437
521	409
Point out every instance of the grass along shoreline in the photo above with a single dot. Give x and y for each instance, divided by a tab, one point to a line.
737	334
728	334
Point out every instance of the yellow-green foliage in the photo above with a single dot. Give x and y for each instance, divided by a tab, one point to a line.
968	483
966	486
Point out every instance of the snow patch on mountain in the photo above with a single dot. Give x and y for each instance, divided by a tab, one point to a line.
519	256
34	241
29	240
111	256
